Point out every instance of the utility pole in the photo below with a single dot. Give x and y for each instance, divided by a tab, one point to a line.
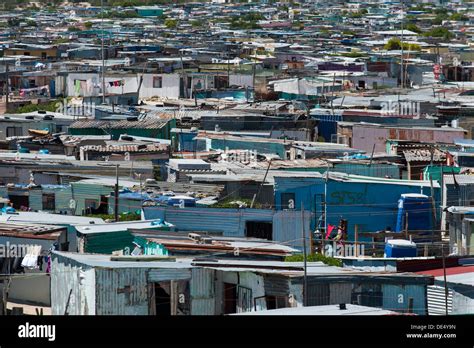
228	71
116	193
7	84
254	72
402	82
305	258
102	48
116	188
372	155
261	184
445	282
141	190
185	79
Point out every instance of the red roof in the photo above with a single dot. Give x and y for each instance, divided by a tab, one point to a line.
449	271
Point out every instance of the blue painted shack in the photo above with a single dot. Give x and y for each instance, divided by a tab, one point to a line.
280	226
369	202
183	140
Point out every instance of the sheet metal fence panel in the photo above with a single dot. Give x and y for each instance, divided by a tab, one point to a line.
162	274
437	301
397	298
287	228
202	292
121	291
244	299
231	222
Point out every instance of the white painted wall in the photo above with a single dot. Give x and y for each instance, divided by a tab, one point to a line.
94	84
256	283
170	86
462	304
32	288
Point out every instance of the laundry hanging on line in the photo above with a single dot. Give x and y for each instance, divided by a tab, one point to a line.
329	231
24	91
118	83
79	85
31	258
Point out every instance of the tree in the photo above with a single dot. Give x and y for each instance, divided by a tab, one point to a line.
196	23
459	17
13	22
395	44
440	32
30	23
440	17
413	27
171	23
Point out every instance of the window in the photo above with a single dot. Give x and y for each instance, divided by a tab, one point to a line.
49	201
14	132
258	229
43	55
90	203
157	82
61	128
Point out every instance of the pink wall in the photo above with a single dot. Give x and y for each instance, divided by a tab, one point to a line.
364	137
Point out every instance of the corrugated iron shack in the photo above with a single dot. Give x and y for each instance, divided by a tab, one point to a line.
150	285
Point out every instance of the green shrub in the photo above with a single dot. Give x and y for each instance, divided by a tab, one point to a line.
330	261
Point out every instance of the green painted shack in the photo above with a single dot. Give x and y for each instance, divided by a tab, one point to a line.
149	11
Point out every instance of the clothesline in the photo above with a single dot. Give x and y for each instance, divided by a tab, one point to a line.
86	86
24	91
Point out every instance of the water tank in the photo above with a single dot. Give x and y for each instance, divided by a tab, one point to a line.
400	248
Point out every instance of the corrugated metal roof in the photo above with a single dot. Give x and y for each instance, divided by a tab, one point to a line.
323	310
423	155
148	123
49	219
104	261
224	247
115	227
126	148
460	179
14	229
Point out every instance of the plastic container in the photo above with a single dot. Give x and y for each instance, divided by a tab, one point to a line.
400	248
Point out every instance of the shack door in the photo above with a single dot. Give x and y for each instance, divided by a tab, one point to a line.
171	297
230	298
163	298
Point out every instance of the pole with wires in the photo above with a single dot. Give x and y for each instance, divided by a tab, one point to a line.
402	79
116	193
102	48
305	259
